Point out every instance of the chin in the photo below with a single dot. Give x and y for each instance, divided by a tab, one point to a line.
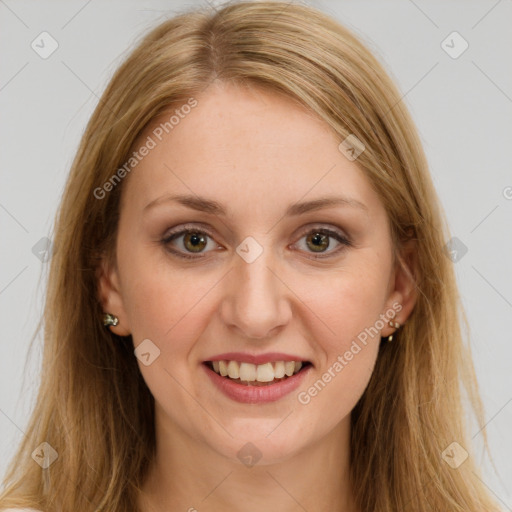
261	444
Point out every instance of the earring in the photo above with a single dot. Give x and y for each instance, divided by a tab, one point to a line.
109	319
396	325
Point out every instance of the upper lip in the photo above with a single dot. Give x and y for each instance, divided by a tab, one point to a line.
269	357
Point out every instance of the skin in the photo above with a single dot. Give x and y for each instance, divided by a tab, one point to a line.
255	152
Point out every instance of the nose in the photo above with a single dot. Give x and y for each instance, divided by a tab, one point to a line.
256	302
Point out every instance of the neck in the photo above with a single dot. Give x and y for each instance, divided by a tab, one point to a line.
188	475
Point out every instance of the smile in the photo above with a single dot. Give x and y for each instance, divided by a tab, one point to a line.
256	374
251	383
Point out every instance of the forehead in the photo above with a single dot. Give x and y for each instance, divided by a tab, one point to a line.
246	148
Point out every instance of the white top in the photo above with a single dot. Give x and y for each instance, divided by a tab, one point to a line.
19	510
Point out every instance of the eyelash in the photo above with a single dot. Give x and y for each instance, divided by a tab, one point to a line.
343	240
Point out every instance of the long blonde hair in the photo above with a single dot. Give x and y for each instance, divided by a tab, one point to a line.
93	406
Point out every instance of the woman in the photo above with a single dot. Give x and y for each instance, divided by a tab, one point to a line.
249	304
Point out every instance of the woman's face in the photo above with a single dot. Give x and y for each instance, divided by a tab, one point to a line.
262	273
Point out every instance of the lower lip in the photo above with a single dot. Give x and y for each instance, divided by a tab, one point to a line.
256	394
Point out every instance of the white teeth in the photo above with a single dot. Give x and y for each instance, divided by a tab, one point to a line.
289	368
223	368
265	372
279	369
233	370
248	372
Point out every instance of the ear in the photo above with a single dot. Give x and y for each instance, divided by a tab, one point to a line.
110	296
403	289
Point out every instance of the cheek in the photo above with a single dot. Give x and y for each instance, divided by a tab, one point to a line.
167	307
163	302
347	353
346	311
348	303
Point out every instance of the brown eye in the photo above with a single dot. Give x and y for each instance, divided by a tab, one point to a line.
187	242
194	242
319	242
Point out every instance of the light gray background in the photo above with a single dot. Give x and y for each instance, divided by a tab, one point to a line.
462	108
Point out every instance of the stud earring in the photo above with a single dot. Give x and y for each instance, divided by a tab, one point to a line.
109	320
396	325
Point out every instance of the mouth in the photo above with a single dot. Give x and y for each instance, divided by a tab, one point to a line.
257	375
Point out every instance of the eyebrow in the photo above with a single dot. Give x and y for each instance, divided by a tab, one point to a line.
206	205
